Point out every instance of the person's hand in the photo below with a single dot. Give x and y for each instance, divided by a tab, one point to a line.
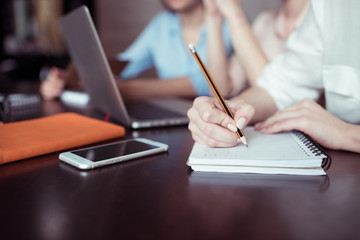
52	87
211	7
212	14
228	7
309	117
211	126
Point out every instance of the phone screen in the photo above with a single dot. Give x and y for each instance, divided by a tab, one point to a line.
113	150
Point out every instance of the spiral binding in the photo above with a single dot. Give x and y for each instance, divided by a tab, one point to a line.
315	148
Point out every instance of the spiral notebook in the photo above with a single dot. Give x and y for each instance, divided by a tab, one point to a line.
282	153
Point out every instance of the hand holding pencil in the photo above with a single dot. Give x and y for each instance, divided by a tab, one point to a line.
218	95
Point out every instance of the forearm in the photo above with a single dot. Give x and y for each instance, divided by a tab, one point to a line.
217	58
246	46
137	89
261	100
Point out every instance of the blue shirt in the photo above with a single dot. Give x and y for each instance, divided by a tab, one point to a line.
161	45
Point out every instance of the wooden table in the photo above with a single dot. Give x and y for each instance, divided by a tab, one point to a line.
158	197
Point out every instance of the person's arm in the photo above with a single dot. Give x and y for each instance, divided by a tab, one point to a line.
247	48
137	89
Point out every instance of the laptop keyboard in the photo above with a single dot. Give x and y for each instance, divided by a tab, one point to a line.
143	111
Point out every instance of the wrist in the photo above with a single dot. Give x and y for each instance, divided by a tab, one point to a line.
236	19
350	138
213	20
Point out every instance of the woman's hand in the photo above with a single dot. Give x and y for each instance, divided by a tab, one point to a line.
309	117
53	85
213	16
211	7
211	126
228	7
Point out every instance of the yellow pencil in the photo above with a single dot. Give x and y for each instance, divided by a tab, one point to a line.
216	91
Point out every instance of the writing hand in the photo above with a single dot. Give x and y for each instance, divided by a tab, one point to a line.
211	126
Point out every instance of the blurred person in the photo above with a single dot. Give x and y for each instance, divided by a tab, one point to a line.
162	45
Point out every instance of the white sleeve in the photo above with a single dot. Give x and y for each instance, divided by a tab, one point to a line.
296	73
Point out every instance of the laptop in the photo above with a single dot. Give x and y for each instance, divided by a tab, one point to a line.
87	53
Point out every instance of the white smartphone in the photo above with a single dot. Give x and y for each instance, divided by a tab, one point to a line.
102	155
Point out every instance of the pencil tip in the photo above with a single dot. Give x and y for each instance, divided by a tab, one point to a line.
243	140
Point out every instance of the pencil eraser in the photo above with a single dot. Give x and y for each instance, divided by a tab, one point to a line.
191	47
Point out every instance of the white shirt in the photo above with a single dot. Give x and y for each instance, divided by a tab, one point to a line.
270	32
323	55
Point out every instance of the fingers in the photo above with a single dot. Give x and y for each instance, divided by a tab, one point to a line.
243	113
54	84
213	136
50	90
279	116
57	74
300	123
209	110
296	116
210	125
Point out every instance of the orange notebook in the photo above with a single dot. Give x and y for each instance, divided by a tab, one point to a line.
25	139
